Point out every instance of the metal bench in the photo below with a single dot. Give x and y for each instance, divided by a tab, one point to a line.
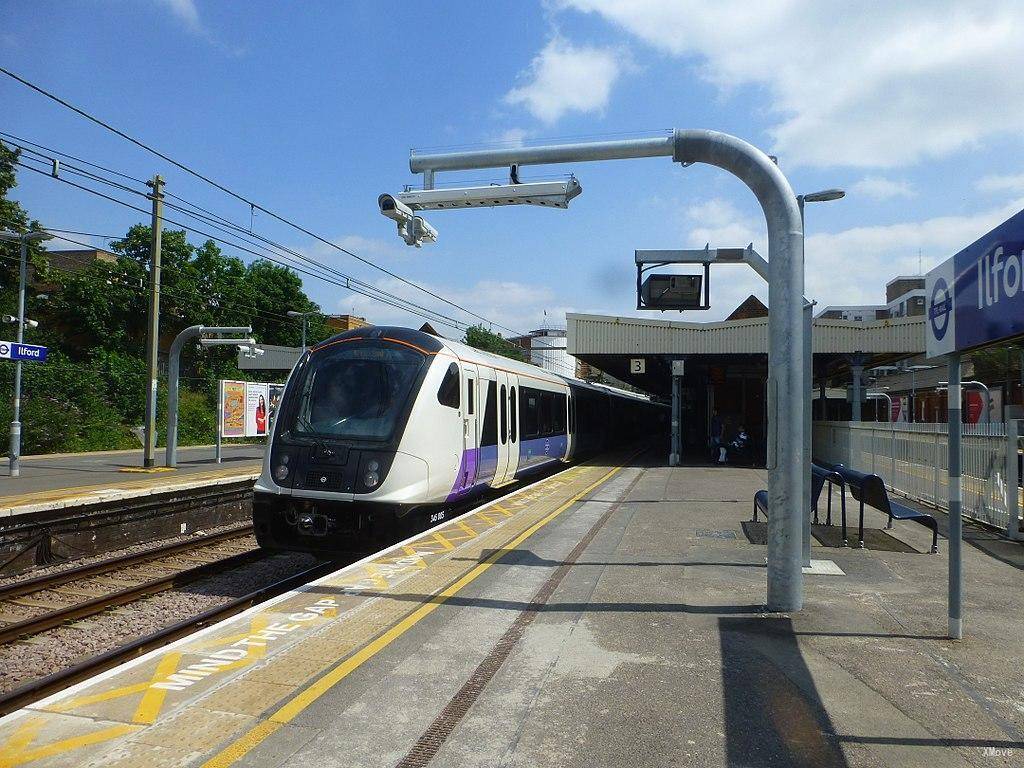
869	489
819	476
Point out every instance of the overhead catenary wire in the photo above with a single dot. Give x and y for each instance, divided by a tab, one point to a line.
218	222
251	203
352	285
125	279
349	280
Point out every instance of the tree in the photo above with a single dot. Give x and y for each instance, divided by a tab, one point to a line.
481	338
13	218
276	291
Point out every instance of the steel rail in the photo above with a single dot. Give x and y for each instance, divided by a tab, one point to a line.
51	580
56	681
99	604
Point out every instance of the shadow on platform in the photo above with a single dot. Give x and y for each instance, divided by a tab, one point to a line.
773	712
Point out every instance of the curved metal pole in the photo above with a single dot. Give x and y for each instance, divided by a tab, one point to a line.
173	367
785	348
785	298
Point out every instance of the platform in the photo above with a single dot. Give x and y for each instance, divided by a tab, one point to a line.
67	480
610	615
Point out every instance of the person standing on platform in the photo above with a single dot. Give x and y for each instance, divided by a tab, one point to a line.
717	436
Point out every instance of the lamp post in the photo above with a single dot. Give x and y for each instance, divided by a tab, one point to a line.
305	319
821	196
25	239
982	386
913	388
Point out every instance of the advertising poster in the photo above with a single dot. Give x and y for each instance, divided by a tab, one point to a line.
899	409
232	409
256	399
276	390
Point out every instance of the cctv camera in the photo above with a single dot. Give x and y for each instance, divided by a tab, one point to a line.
395	209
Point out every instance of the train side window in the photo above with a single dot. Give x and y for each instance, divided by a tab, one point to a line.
545	413
469	397
529	407
448	392
572	414
489	433
558	414
513	416
504	414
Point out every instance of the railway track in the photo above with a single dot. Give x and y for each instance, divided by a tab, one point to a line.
34	605
38	689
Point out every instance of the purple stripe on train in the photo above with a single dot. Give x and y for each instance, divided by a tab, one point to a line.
475	471
539	452
479	465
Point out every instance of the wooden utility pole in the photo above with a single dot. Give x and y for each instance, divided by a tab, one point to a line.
153	335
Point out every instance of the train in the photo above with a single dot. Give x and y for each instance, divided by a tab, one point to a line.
383	430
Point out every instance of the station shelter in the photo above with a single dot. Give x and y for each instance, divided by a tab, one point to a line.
726	365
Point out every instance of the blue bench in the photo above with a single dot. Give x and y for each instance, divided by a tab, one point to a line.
869	489
819	476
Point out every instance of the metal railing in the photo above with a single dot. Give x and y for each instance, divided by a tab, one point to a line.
912	460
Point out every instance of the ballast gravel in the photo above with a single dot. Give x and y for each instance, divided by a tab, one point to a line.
26	660
123	552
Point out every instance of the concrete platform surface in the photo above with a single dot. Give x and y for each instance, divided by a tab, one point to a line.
603	617
49	482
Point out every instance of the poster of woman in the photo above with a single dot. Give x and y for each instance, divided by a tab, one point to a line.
256	396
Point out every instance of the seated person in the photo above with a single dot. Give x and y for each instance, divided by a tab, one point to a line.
737	445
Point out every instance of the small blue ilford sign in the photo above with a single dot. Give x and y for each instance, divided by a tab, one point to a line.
977	297
12	350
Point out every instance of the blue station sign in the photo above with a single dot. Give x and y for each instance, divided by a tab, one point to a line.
12	350
977	297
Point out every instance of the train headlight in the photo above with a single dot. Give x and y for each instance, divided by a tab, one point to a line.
281	470
372	470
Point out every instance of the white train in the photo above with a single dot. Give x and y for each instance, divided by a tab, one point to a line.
386	429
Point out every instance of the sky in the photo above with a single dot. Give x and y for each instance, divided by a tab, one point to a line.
916	109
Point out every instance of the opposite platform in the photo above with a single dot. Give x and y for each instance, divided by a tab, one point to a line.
71	480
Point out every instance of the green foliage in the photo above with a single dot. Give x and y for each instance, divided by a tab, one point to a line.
91	391
13	218
481	338
197	420
64	408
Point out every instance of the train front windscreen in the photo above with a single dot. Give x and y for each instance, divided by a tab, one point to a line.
354	391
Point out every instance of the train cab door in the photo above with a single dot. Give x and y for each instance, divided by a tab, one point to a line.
502	474
470	425
513	426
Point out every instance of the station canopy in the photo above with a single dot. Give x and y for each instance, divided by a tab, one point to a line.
614	344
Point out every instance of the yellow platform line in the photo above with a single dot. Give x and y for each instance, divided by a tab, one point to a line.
293	708
466	528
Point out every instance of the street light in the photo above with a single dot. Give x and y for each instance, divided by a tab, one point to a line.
980	385
821	196
25	239
824	196
305	319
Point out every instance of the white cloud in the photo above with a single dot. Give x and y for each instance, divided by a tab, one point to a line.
881	188
507	303
851	266
869	85
186	11
513	137
1012	183
567	78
